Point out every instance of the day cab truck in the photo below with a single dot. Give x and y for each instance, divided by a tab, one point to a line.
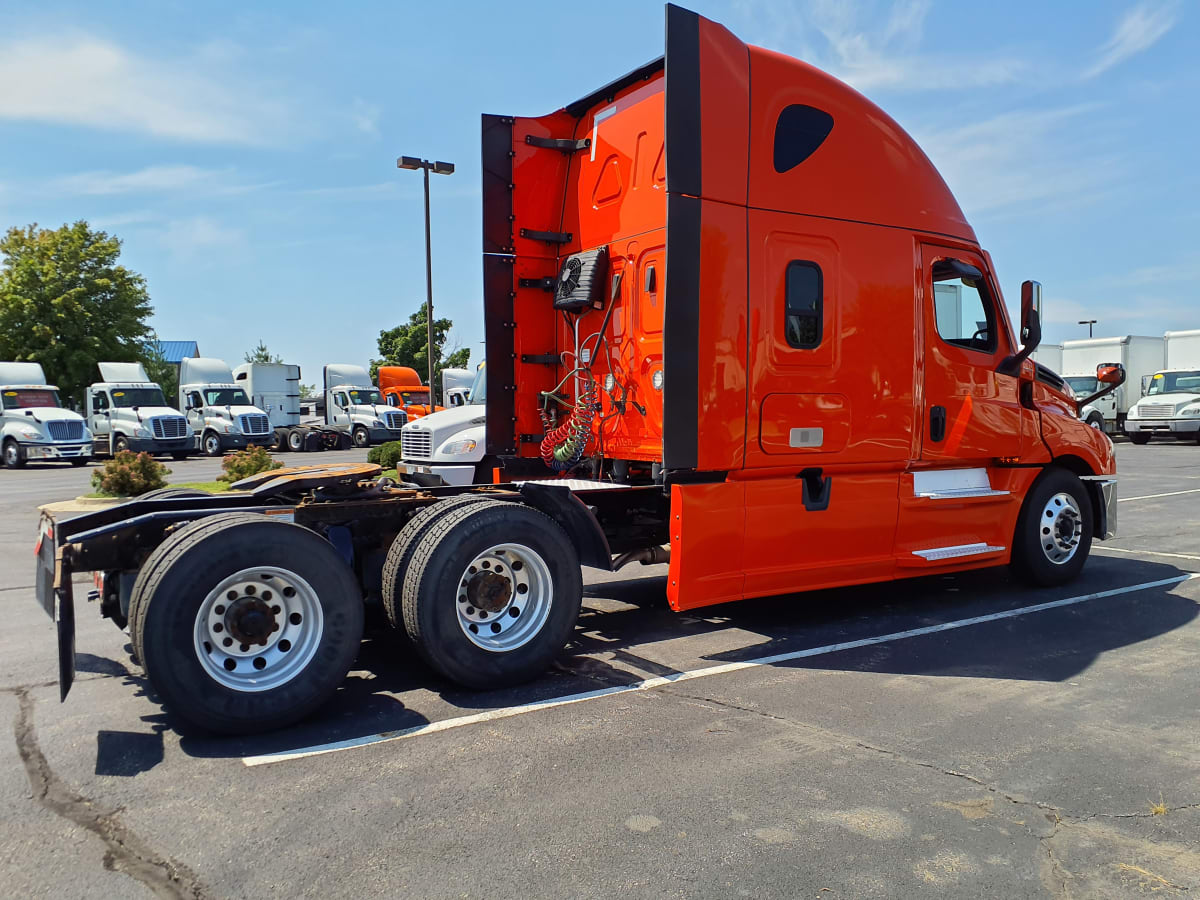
734	320
218	410
127	411
1141	356
33	425
450	447
456	386
354	406
402	388
275	389
1170	404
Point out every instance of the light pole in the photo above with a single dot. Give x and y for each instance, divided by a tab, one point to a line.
1089	323
438	168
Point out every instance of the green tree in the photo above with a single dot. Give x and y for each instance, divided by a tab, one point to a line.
307	391
405	345
163	373
261	354
66	303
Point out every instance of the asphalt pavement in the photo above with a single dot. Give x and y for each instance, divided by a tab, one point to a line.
951	736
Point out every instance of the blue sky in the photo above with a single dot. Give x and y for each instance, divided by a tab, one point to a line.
246	152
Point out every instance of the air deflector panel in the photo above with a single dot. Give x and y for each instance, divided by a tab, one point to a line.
799	131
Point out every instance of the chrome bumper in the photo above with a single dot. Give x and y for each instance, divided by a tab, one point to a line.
1104	501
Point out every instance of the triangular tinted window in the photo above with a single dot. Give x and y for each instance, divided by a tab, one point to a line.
798	133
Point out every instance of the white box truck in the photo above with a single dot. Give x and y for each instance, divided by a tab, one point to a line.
354	406
449	447
219	410
33	425
127	411
275	389
1170	406
456	386
1141	356
1050	356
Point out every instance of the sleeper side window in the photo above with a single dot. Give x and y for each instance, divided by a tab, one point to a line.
803	305
962	308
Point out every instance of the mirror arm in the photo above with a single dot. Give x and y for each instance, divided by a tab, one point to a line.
1091	398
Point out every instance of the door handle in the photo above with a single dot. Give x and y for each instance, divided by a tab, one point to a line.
937	423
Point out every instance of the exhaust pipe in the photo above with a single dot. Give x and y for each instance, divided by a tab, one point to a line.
650	556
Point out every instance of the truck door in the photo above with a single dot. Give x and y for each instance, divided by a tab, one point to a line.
99	420
339	416
195	412
972	413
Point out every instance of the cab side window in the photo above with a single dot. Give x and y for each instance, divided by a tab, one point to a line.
962	306
100	403
803	305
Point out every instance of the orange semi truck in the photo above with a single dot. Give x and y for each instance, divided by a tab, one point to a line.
734	320
401	387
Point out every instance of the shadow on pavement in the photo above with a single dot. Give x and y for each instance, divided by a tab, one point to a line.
620	617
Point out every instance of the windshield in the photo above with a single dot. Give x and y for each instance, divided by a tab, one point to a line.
415	396
1174	383
30	398
360	397
1083	385
124	398
479	388
225	397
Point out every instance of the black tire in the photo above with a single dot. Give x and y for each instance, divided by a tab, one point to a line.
361	437
1139	437
295	440
278	440
1041	522
162	493
14	454
430	593
399	557
210	444
119	443
1096	421
179	454
345	442
170	592
80	462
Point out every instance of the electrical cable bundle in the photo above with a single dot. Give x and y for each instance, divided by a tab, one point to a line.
563	447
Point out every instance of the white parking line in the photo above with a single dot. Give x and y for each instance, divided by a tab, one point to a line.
1154	496
651	683
1147	552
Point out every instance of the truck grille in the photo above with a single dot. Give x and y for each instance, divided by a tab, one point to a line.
65	431
1156	410
416	444
255	424
169	427
395	420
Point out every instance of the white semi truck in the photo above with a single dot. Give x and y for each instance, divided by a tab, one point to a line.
1141	356
456	386
219	410
32	423
1050	356
448	447
354	406
127	411
1170	406
275	389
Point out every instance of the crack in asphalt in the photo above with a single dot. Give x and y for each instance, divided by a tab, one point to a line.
126	852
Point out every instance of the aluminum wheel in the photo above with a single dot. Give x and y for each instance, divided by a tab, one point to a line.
1061	528
12	454
504	597
258	629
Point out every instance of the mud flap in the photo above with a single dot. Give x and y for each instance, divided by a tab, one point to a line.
64	618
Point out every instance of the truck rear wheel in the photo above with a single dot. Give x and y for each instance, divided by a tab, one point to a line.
361	437
1139	437
244	623
14	456
400	554
492	594
295	440
1054	530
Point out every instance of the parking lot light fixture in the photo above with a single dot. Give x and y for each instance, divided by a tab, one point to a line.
439	168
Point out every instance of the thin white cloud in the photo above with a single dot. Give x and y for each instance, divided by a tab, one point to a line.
1139	29
872	51
88	81
152	179
199	234
365	116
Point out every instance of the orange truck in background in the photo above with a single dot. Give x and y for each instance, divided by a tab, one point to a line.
735	321
401	387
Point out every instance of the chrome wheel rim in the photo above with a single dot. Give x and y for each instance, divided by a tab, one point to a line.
504	597
258	629
212	444
10	454
1060	528
1098	424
